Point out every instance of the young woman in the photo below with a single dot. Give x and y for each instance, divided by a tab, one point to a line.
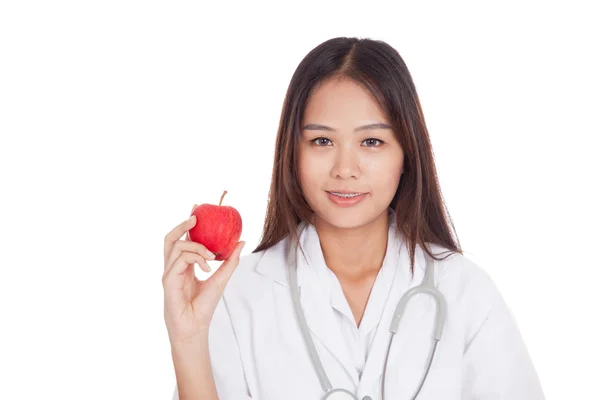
355	222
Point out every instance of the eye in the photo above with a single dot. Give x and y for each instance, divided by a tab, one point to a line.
372	142
321	141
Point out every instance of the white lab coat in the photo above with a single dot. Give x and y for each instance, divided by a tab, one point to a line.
258	352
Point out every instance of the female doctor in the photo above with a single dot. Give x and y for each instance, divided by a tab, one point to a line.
358	289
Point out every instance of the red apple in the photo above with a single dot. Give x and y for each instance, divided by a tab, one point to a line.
217	227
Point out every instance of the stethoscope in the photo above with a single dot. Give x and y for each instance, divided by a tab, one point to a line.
427	287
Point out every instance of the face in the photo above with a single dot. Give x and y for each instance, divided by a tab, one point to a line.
337	156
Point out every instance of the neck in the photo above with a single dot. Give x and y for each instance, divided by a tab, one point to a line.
354	254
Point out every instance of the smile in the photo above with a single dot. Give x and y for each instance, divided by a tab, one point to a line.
346	199
346	195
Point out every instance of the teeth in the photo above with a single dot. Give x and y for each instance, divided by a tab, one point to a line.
347	195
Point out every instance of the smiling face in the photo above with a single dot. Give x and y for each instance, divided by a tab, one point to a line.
336	155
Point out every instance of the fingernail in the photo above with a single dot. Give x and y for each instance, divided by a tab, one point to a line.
211	255
207	266
190	219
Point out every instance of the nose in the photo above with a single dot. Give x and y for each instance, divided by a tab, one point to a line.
346	164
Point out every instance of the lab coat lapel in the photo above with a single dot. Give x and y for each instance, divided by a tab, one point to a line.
323	323
315	297
408	325
316	303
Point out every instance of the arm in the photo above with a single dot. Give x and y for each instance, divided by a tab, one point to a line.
213	371
193	372
496	363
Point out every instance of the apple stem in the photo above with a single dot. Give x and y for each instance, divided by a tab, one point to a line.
223	195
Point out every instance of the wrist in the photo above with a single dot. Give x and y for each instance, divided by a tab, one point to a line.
198	340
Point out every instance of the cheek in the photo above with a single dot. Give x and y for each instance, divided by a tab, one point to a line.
384	174
309	174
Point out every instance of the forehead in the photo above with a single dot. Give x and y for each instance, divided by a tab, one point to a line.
341	102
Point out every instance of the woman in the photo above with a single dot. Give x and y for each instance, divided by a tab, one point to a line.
354	190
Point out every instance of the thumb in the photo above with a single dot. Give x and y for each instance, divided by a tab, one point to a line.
223	273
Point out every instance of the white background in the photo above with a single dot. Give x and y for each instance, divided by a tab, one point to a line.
117	116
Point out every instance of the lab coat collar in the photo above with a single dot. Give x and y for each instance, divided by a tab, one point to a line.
315	281
331	284
273	263
321	320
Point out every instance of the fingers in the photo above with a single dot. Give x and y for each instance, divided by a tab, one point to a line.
193	247
237	251
182	263
176	233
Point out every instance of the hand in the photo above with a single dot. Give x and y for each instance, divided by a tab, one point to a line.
189	302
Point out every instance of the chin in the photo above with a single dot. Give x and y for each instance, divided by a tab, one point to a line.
344	223
348	218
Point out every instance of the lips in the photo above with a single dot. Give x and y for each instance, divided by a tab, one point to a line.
345	201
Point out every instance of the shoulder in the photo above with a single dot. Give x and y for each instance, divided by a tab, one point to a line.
469	290
462	274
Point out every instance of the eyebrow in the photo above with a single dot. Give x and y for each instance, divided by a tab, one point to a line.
317	127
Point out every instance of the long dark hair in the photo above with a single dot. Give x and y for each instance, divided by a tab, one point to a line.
419	208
